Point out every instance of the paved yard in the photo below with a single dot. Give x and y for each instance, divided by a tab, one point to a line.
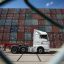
29	58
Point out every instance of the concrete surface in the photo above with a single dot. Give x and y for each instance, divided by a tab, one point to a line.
29	58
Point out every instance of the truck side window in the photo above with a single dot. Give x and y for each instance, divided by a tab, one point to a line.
43	36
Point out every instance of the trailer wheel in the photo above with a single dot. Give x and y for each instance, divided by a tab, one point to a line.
40	50
14	49
23	50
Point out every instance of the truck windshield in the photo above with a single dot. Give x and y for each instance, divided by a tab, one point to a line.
43	36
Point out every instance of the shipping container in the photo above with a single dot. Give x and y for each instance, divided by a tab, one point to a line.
58	11
48	15
60	34
28	29
6	29
28	11
4	41
47	23
34	27
48	28
2	16
53	36
30	22
55	44
2	21
13	10
21	17
62	11
42	28
20	36
41	22
52	45
14	22
50	36
28	36
61	22
20	28
36	16
4	11
59	16
22	11
0	10
1	36
55	29
13	36
47	11
1	29
21	22
53	16
52	11
14	28
41	10
9	15
15	16
8	22
6	36
62	16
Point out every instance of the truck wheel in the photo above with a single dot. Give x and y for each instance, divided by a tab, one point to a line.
14	49
23	50
40	50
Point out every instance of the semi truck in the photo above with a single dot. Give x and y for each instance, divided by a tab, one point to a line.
41	44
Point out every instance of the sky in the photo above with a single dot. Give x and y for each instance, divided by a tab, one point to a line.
36	3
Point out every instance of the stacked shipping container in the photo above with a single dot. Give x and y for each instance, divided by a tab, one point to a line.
17	25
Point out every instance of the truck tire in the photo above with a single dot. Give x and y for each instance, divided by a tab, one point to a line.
23	49
40	50
14	49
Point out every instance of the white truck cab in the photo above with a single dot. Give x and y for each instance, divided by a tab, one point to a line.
41	43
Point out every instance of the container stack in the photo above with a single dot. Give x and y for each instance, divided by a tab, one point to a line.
17	26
